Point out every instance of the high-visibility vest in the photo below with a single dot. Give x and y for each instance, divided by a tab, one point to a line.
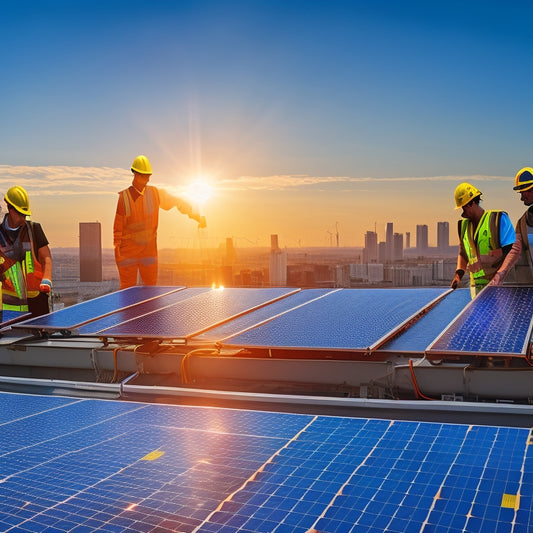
139	231
482	247
21	278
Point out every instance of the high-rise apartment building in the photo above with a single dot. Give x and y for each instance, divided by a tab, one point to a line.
370	252
422	238
443	236
389	242
90	251
278	264
397	252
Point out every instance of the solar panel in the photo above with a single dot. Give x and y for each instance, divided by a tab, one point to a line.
426	329
95	465
348	319
70	317
194	315
138	310
498	321
10	317
263	314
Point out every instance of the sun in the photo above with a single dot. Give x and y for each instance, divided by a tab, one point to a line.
199	191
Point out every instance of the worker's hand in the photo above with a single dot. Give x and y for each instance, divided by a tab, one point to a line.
202	223
457	278
45	286
497	279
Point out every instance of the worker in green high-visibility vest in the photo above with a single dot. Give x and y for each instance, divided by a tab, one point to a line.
27	261
485	238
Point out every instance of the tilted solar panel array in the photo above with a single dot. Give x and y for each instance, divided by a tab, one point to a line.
349	319
432	320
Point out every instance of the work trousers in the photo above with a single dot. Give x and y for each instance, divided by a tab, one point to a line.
128	274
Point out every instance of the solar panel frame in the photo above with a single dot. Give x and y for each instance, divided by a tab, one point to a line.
491	329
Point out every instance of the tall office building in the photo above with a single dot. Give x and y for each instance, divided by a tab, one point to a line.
278	264
443	236
422	238
90	251
389	242
397	254
408	240
370	252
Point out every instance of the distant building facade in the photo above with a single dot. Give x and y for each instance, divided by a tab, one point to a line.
422	238
90	252
443	236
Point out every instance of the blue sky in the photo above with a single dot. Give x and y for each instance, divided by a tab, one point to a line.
301	113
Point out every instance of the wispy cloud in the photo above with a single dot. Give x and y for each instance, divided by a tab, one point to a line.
286	182
65	180
72	180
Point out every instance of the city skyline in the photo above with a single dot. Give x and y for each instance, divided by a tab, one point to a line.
306	119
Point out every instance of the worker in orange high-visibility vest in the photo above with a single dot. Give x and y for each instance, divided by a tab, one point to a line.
27	261
136	222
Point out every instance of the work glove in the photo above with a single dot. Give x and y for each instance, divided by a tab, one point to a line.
202	223
45	286
457	278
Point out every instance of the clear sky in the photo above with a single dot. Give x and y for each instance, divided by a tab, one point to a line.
305	116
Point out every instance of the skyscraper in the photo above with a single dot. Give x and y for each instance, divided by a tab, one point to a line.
90	251
398	247
422	238
389	242
370	252
443	236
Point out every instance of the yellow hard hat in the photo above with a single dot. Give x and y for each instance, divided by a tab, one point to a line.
523	179
141	165
18	198
464	193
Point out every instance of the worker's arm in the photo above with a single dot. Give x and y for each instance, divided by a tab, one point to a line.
118	226
459	271
510	260
168	201
45	259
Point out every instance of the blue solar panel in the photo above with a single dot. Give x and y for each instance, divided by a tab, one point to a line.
8	317
190	317
498	321
138	310
71	317
86	465
425	330
348	319
254	318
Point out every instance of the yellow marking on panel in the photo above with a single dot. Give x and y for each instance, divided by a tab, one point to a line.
512	501
152	456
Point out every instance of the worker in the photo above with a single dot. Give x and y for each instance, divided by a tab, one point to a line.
27	261
520	256
485	238
136	222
